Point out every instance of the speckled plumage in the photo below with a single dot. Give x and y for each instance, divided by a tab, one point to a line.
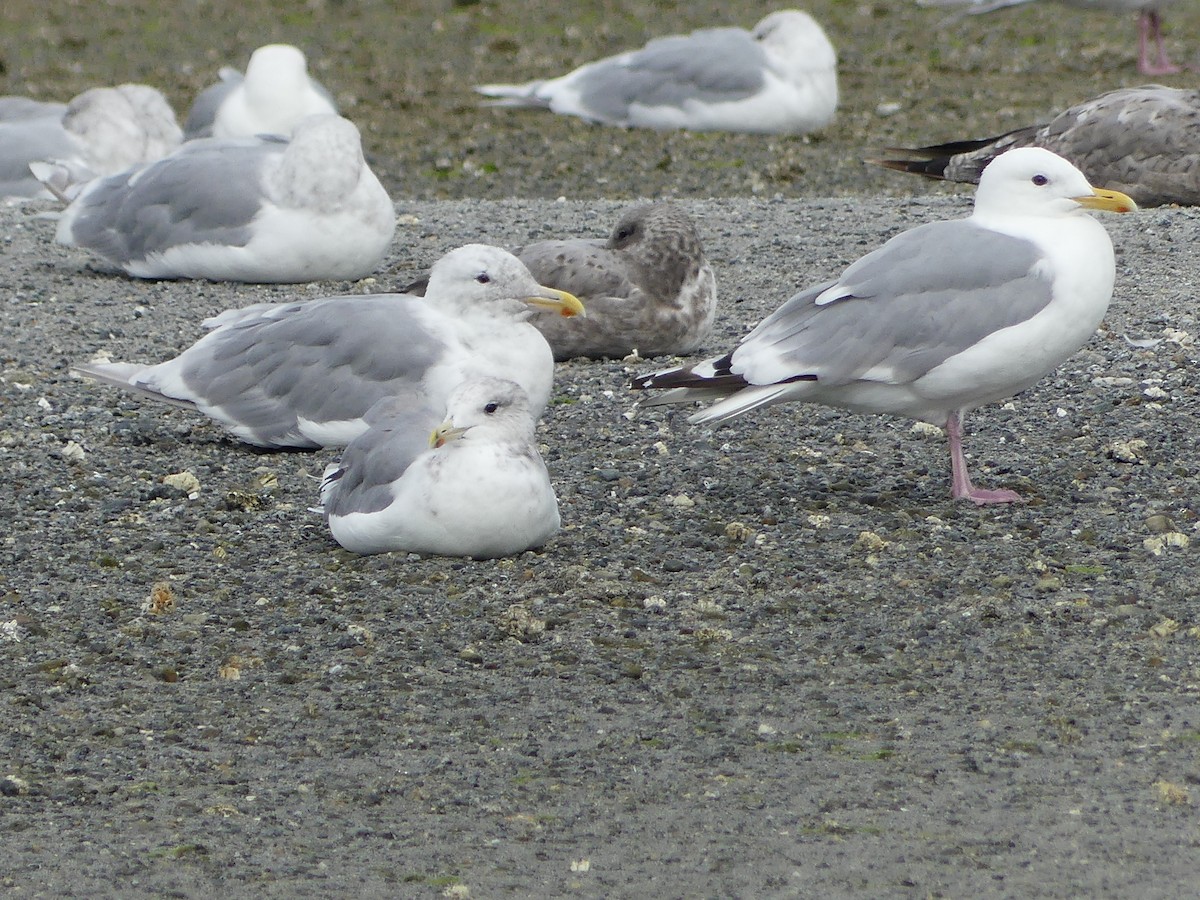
1144	141
647	287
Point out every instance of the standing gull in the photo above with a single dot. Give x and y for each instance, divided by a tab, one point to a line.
779	78
476	487
271	98
304	375
648	287
100	132
244	209
939	320
1144	141
1149	24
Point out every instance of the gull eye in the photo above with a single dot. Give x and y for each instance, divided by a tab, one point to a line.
1040	180
491	408
483	277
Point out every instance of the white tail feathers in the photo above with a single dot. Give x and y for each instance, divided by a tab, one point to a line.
513	94
63	179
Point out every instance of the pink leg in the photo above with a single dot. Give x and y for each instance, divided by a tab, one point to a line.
960	481
1150	26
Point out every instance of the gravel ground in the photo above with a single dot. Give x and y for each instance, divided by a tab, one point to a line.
769	660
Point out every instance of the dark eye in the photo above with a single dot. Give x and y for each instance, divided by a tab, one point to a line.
624	234
491	408
1040	180
483	277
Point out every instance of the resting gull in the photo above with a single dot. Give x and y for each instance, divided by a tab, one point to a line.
100	132
1144	141
303	375
648	287
476	487
779	78
242	209
1149	24
271	98
939	320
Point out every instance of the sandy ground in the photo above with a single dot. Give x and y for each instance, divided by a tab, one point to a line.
772	660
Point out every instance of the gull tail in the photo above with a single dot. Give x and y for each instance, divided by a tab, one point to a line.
125	375
524	95
709	380
932	161
64	180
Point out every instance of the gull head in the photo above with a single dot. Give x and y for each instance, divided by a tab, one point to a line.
486	408
1031	181
479	276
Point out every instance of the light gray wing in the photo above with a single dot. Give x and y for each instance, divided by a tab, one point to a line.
714	65
372	462
203	113
324	361
209	192
22	109
23	141
924	296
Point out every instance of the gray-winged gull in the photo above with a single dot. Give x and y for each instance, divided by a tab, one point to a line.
1144	141
100	132
304	375
779	78
939	320
647	287
1149	24
242	209
271	98
476	487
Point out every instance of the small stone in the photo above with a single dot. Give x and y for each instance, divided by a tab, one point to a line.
520	623
470	654
1133	451
184	482
1159	524
1159	544
12	786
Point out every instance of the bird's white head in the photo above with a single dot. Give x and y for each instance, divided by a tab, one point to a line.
1031	181
478	276
486	408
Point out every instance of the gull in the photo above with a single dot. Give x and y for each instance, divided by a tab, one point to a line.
938	321
1144	141
779	78
476	487
648	287
100	132
303	375
242	209
273	96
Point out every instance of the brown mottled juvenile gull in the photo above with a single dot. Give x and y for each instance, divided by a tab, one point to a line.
647	287
1144	141
941	319
243	209
1149	24
100	132
304	375
779	78
476	487
271	98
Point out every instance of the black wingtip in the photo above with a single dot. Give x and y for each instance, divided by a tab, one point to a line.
417	288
